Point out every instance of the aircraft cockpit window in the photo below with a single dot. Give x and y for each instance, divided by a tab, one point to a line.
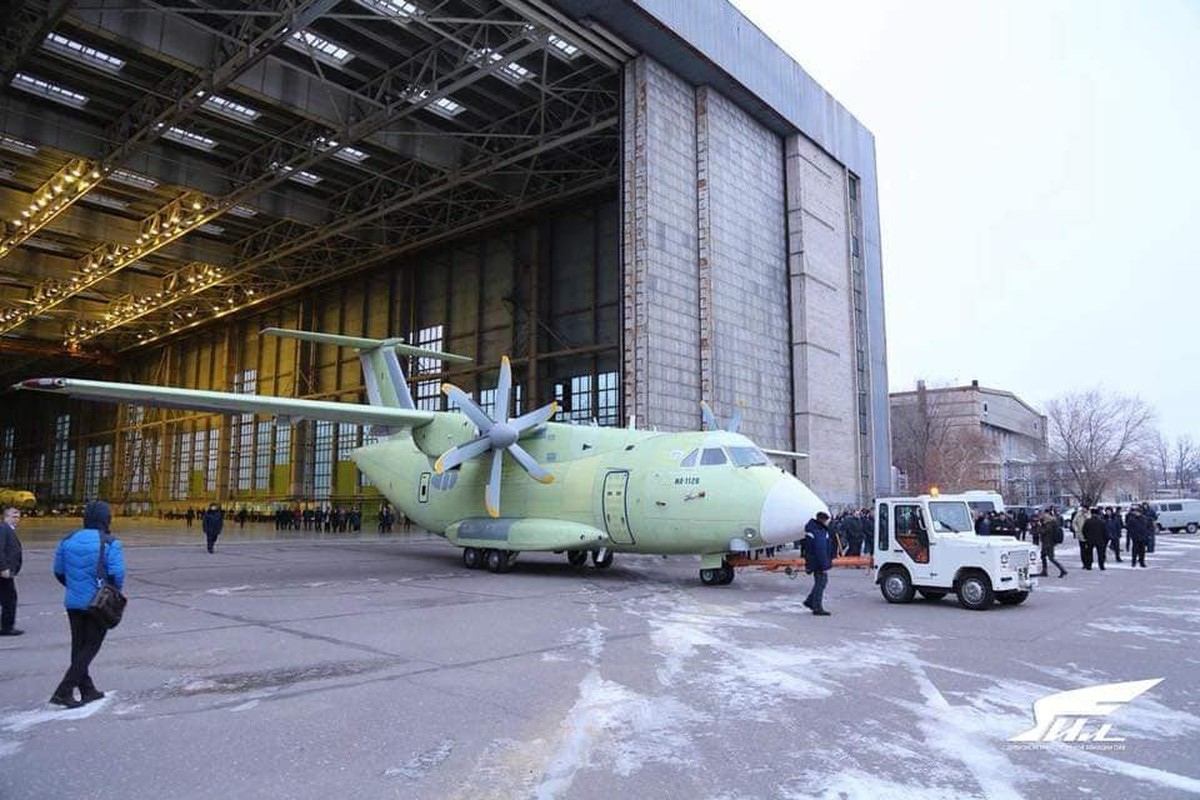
747	456
712	456
690	459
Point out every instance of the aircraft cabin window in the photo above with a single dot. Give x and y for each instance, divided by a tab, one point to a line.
712	456
747	456
690	459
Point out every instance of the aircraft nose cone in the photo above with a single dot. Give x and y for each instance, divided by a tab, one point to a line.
787	509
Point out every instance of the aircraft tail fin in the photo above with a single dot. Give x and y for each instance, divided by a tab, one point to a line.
386	383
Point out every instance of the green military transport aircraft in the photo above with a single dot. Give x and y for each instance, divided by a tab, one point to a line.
582	490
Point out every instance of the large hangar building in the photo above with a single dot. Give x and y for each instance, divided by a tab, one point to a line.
644	203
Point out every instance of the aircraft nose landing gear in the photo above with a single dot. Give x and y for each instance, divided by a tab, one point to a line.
717	576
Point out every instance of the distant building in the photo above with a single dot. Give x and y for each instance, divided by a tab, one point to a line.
963	437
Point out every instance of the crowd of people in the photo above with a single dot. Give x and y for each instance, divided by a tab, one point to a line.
326	517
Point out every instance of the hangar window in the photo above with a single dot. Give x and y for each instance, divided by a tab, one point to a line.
97	466
319	48
608	403
428	396
712	456
48	90
262	455
183	465
64	458
84	54
8	464
322	469
512	71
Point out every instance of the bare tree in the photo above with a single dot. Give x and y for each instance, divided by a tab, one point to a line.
1161	455
1098	435
935	444
1187	458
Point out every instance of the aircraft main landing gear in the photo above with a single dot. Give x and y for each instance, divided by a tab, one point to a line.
499	560
602	558
577	558
472	558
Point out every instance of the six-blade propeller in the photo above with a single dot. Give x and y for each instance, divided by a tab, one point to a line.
499	435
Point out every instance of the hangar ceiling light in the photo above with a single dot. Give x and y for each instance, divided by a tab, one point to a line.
512	71
319	48
132	179
245	212
68	184
105	200
51	91
350	154
446	107
84	54
17	146
190	138
232	109
398	10
563	48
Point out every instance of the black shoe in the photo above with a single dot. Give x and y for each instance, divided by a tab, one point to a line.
807	603
1062	574
66	701
12	632
820	612
1102	569
90	696
1041	575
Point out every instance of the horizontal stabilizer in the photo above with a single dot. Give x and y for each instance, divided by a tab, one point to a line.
529	534
230	402
361	343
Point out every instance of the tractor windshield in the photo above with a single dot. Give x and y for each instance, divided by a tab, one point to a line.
950	516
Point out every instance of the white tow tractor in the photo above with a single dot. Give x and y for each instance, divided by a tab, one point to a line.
928	544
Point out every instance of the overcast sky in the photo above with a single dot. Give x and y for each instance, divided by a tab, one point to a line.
1039	180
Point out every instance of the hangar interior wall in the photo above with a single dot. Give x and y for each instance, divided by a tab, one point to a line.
544	291
739	281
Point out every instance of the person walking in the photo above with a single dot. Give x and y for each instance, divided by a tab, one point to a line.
1112	521
1138	528
1049	535
1077	523
1095	537
212	522
818	550
10	565
76	563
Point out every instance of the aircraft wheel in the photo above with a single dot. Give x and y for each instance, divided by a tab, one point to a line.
498	561
727	574
472	558
602	559
577	558
710	577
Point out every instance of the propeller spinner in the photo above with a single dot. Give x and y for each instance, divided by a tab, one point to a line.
498	435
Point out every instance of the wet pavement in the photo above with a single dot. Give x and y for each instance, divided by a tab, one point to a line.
287	665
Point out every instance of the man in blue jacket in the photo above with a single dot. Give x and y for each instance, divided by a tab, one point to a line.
818	559
212	522
75	566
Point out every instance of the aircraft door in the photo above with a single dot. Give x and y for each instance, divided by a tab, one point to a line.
616	512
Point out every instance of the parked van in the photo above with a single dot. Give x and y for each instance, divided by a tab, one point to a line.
1177	515
983	500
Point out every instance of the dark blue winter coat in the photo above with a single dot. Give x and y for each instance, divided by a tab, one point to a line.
818	547
1114	527
212	521
75	566
1138	527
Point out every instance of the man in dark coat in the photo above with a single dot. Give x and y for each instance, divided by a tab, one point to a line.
818	550
10	565
1112	520
1138	528
212	522
1095	539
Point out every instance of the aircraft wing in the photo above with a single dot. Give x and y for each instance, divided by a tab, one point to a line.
198	400
783	453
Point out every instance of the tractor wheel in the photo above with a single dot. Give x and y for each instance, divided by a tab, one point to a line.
975	592
896	586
